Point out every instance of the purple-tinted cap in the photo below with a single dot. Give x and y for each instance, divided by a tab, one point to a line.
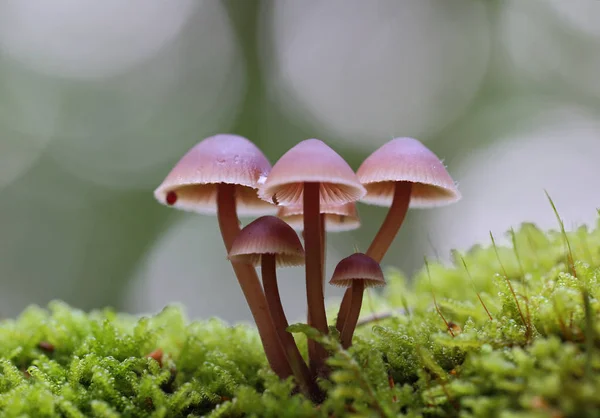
192	183
407	160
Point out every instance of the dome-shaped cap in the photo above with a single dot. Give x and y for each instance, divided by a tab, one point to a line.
267	235
406	159
311	161
338	218
192	183
358	266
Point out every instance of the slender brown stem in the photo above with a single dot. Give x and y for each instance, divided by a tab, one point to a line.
314	273
248	280
323	246
301	371
383	240
312	343
343	312
392	223
357	289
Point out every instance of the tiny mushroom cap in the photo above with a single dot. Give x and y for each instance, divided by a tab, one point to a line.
407	160
231	159
267	235
311	161
338	218
358	266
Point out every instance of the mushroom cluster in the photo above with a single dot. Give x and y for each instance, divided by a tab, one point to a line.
312	189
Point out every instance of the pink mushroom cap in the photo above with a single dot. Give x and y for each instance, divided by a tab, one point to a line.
407	160
358	266
267	235
192	183
311	161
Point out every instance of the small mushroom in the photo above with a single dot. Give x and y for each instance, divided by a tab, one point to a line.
269	242
356	272
402	173
311	174
221	175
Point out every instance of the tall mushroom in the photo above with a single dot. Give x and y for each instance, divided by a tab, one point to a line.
269	242
220	175
402	173
356	272
311	174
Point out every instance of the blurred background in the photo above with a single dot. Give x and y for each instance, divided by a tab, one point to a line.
98	100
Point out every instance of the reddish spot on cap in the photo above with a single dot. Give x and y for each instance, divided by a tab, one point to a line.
171	198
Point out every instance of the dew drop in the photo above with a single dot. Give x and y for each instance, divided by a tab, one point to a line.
171	198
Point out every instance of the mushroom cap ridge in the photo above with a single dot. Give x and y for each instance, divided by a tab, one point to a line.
223	158
407	159
311	161
267	235
358	266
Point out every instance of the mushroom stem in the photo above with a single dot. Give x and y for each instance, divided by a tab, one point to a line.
314	272
343	311
301	371
382	241
323	246
392	223
248	280
312	344
356	291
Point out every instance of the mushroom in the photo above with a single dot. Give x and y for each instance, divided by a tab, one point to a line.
311	174
220	175
336	218
356	272
402	173
269	242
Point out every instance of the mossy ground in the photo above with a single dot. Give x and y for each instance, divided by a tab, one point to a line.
536	354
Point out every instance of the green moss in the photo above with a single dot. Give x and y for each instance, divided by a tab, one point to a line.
538	356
